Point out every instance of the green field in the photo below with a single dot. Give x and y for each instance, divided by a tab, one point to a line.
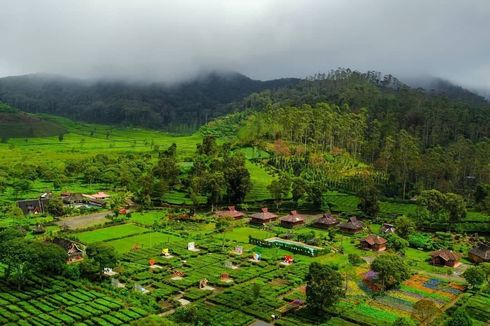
146	240
147	218
113	232
260	179
82	140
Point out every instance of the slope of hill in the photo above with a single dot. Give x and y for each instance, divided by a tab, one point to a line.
440	86
436	118
17	124
181	107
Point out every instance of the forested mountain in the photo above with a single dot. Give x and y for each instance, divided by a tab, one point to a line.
419	139
440	86
180	107
435	119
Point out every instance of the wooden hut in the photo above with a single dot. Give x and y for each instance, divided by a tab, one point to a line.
445	257
263	217
480	253
373	242
353	225
292	220
326	221
231	212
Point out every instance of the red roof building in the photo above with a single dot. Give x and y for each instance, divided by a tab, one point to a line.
445	257
326	221
231	212
292	220
263	217
351	226
101	195
373	242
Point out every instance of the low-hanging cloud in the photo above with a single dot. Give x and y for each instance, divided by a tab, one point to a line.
174	40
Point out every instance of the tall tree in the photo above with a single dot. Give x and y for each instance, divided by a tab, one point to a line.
99	256
324	287
391	269
404	226
237	178
456	208
279	189
407	154
369	204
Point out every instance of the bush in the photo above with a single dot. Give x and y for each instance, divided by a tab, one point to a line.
355	259
421	240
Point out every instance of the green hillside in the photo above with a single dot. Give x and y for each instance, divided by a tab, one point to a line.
17	124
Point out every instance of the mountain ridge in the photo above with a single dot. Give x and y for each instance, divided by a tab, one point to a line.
154	105
184	106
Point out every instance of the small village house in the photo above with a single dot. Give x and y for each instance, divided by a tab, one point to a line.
72	198
90	200
101	196
97	199
374	243
263	217
445	257
292	220
480	253
34	206
231	212
75	250
387	228
353	225
326	221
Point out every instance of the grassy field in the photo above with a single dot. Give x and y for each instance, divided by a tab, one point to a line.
147	218
82	140
260	179
146	240
113	232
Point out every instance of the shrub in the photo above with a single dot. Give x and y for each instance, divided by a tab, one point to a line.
355	259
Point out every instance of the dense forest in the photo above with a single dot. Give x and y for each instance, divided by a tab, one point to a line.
418	139
180	108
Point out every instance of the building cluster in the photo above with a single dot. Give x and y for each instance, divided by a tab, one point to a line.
39	205
442	257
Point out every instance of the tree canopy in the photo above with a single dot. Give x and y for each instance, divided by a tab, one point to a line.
324	286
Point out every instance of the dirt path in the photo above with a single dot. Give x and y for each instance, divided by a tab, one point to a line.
83	221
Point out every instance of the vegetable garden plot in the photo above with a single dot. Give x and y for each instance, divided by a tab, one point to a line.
384	309
262	304
478	307
222	315
60	302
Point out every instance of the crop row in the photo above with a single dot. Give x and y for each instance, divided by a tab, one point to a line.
221	315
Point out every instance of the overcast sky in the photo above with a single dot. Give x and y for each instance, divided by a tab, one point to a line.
264	39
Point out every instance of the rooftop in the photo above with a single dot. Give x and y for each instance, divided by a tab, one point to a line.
446	254
293	217
264	215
